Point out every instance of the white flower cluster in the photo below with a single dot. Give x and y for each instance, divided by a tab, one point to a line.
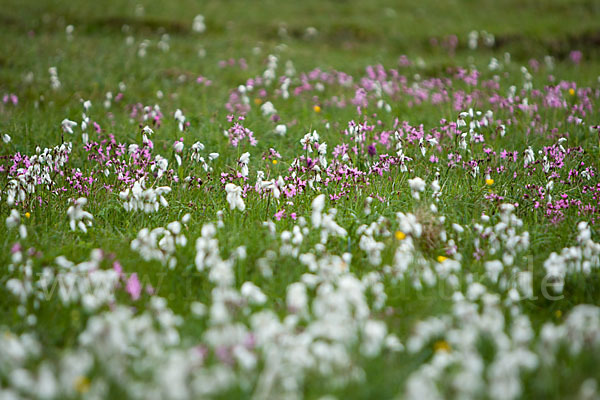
475	121
291	241
528	157
243	163
147	200
67	125
85	283
160	165
198	24
111	340
270	73
220	272
309	140
580	331
196	155
54	81
161	243
476	318
330	321
319	336
273	186
505	239
325	221
417	185
180	119
234	197
78	218
42	168
369	244
151	113
339	316
337	322
14	220
268	109
580	259
410	264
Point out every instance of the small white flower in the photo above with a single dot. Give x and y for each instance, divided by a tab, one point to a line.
268	109
147	200
296	298
13	219
68	125
234	197
281	129
318	204
529	156
198	24
178	146
458	228
253	293
243	162
78	218
147	130
417	185
180	118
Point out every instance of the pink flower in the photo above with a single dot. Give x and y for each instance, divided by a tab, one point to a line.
118	268
133	287
279	214
15	248
575	56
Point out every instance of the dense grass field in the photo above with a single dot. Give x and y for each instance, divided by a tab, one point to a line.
283	200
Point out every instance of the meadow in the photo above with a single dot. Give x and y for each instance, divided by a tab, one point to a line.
280	200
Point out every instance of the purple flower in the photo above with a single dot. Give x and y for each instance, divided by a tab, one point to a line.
372	150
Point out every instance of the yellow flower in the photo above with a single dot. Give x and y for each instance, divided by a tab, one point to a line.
400	235
257	101
558	313
274	161
489	182
442	345
27	215
572	92
317	109
441	259
82	384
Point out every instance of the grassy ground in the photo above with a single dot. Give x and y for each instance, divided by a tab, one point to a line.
104	51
